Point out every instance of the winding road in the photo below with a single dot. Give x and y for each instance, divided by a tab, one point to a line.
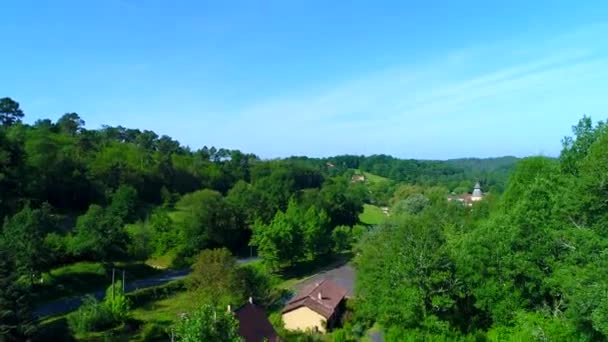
65	305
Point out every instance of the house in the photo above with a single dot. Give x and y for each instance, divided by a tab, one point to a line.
477	195
469	199
357	178
253	324
317	307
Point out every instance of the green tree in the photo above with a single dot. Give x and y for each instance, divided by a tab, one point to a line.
99	235
208	324
316	225
124	203
16	323
164	232
413	204
70	123
406	258
10	113
575	148
215	277
341	238
24	234
11	173
279	242
342	201
207	221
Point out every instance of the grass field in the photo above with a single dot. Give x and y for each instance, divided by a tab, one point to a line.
372	178
166	310
371	215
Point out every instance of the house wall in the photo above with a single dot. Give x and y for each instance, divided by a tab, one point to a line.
302	319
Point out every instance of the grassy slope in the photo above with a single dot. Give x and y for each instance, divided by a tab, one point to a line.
371	215
372	178
166	310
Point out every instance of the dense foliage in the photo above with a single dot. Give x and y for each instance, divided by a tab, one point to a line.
208	324
70	194
528	266
94	315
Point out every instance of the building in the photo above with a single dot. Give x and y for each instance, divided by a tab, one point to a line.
477	194
253	324
469	199
317	307
357	178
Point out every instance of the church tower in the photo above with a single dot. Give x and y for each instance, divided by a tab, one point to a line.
477	193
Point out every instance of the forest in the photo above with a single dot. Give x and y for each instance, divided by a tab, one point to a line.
523	264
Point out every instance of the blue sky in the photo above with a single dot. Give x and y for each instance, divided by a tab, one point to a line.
415	79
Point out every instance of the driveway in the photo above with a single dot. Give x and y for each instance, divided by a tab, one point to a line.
65	305
343	276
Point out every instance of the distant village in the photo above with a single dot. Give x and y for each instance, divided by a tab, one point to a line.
468	199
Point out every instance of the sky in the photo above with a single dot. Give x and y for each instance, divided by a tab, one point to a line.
413	79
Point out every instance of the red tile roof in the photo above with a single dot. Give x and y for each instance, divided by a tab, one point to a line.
323	297
253	324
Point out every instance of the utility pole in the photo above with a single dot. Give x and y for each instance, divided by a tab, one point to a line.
113	277
123	281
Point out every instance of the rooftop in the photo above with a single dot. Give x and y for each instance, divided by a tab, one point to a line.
253	324
323	297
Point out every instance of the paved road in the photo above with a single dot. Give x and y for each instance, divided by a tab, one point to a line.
65	305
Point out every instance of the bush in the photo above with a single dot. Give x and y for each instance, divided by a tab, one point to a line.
153	332
118	304
91	316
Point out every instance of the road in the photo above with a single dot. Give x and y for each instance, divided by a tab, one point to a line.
65	305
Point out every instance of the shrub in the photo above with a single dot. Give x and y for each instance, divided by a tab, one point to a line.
118	304
153	332
208	324
91	316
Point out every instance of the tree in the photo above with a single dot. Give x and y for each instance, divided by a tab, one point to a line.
406	258
207	222
70	123
16	323
341	238
208	324
342	201
123	203
99	235
10	113
575	149
165	234
215	277
11	174
413	204
24	234
316	232
278	243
